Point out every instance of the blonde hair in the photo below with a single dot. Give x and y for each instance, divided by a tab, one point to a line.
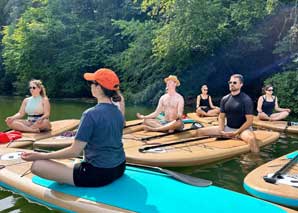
39	84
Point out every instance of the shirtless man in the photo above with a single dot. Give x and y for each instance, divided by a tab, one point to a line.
237	107
171	104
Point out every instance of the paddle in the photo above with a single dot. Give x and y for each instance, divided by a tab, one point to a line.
136	124
144	149
176	175
282	170
195	125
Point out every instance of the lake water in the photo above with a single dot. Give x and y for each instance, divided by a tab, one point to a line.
228	173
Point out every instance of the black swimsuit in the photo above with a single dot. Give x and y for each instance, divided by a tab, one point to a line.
268	106
204	104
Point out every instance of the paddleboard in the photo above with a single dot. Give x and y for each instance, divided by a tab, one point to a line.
138	190
197	152
284	191
59	141
133	126
281	126
204	120
57	128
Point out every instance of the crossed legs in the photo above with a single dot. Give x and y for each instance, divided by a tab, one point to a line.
273	117
155	126
209	113
53	170
247	135
27	126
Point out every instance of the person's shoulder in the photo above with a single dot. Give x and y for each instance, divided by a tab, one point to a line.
226	97
27	99
245	96
45	98
89	111
179	95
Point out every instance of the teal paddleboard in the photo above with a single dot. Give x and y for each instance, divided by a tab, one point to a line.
138	190
145	191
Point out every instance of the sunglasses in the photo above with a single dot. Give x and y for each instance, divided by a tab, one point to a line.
90	83
270	90
205	89
32	88
232	82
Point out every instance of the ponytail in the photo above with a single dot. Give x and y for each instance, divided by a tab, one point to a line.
39	84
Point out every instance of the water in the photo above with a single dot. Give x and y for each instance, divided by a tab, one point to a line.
227	173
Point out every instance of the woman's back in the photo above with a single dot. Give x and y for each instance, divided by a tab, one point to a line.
101	127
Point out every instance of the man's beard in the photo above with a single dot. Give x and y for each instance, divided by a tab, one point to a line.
233	89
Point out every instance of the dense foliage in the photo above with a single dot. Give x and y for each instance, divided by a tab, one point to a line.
201	41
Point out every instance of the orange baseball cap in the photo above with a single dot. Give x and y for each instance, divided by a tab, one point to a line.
105	77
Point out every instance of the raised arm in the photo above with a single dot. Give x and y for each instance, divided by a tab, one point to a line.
260	104
122	104
198	101
221	121
180	107
21	113
157	111
46	108
70	152
247	124
279	109
211	103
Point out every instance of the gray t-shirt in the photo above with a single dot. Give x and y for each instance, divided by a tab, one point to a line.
101	128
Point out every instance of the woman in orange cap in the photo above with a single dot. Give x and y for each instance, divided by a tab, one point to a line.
99	136
37	107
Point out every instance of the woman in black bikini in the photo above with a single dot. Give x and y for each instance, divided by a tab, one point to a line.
205	106
267	103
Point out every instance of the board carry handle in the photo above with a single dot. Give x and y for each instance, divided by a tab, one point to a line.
175	175
281	171
195	125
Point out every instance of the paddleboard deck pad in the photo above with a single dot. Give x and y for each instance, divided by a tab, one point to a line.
138	190
284	191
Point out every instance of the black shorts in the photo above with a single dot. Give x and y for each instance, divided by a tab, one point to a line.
86	175
205	108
